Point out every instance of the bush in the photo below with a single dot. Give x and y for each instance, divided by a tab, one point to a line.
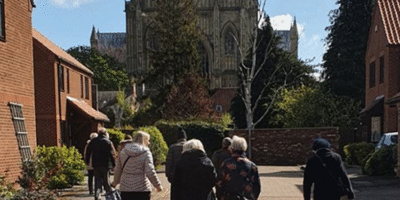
158	147
6	188
357	152
210	134
68	161
382	161
116	136
34	180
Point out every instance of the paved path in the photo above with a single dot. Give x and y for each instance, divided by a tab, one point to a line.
283	183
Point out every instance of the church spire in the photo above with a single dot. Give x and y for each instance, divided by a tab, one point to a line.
294	38
93	38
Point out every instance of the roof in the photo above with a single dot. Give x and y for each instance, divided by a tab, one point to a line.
394	99
64	56
374	103
106	98
88	110
390	12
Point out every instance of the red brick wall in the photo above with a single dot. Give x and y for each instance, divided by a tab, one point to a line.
378	47
16	84
47	94
286	146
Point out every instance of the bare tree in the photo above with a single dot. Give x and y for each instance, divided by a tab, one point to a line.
252	65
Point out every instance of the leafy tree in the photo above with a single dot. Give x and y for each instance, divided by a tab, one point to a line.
313	107
173	45
189	100
344	65
264	75
109	74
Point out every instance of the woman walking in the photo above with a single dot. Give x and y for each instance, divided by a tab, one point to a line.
194	175
135	170
239	177
326	171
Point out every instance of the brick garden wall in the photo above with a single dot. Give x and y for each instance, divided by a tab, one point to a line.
286	146
16	84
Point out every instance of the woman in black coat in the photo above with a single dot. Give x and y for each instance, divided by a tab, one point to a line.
323	177
194	175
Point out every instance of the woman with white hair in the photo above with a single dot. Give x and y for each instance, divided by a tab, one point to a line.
135	170
194	175
89	165
239	176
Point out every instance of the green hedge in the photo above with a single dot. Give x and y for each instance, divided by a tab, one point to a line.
116	136
356	153
210	134
158	147
70	161
381	162
53	168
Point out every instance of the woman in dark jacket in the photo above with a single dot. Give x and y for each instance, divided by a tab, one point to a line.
194	175
322	169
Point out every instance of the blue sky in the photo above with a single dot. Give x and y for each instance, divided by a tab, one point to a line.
68	23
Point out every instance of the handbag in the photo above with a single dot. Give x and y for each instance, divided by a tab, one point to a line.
113	195
343	190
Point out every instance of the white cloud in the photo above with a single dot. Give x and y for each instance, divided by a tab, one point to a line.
284	22
70	3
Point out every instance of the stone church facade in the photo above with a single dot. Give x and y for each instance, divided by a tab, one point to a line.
221	21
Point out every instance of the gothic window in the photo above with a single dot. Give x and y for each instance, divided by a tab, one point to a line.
20	130
2	27
229	42
203	59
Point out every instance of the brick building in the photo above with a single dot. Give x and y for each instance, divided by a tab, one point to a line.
382	60
17	96
63	92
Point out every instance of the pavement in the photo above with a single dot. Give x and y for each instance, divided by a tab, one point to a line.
283	183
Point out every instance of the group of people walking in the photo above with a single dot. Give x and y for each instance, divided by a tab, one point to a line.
193	175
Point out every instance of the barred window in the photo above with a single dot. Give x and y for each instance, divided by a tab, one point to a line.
20	130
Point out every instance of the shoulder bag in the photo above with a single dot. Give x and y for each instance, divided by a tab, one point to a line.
114	194
343	190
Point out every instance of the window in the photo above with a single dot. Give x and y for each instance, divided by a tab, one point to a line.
82	86
86	87
372	75
2	21
20	131
381	69
218	108
229	42
61	77
203	59
67	75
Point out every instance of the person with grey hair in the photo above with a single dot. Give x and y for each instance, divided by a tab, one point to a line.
239	177
89	165
102	153
218	157
194	175
135	170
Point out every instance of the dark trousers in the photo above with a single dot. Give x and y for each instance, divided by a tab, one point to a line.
135	195
101	175
90	180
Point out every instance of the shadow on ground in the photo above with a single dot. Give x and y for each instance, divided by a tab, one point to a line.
283	174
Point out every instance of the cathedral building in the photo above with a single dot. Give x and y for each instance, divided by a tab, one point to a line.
220	21
289	39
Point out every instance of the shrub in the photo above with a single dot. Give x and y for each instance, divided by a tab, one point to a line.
210	134
116	136
381	162
68	160
6	188
158	147
357	152
34	181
